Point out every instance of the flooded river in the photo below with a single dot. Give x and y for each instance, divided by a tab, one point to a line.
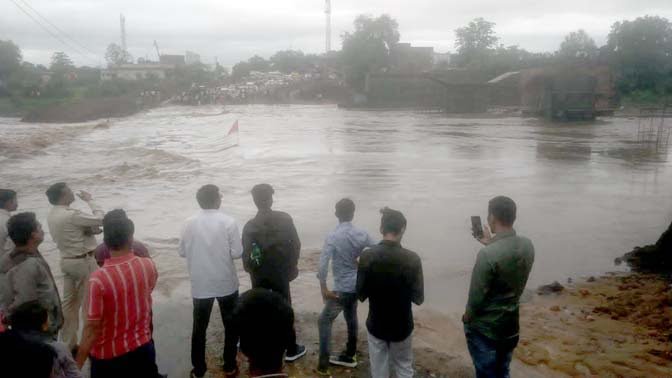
586	193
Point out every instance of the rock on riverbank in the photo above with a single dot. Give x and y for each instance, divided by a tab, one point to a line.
654	258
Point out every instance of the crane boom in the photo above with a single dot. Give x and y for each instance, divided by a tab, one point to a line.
158	54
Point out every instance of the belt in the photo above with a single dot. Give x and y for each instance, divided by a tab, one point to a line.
87	254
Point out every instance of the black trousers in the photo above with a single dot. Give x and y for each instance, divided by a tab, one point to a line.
281	288
202	311
138	363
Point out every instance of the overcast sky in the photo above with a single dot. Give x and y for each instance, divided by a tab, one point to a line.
233	30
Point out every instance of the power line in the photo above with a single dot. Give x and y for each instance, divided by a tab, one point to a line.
51	33
58	38
59	29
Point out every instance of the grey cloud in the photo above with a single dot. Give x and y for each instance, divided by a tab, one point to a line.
235	30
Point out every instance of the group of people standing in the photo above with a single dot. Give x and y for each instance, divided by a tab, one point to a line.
43	327
113	283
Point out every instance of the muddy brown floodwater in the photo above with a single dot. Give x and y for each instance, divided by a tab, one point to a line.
586	193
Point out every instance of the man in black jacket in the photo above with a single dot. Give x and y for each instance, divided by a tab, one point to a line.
271	250
390	277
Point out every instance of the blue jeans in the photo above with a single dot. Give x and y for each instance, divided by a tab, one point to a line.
491	357
347	303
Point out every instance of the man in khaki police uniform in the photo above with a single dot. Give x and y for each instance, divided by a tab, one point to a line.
73	232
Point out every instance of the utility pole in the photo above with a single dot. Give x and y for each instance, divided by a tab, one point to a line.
327	11
122	23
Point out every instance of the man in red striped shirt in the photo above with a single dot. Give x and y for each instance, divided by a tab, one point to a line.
118	337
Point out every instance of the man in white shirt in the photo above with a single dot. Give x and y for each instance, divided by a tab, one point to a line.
73	232
8	203
210	242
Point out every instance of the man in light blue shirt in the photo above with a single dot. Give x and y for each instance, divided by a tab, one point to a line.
343	247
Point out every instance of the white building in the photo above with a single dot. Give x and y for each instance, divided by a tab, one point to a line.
136	71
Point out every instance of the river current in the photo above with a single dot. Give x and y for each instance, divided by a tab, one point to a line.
586	193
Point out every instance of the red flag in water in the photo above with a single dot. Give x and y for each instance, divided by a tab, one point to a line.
234	128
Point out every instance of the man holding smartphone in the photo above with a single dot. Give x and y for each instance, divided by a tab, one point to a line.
497	282
73	232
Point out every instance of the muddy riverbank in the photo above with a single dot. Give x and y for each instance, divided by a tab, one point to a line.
613	326
84	110
438	340
617	325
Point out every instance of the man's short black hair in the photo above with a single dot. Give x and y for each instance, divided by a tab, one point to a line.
392	221
264	321
503	209
29	316
20	228
55	192
208	196
117	230
345	210
6	195
262	194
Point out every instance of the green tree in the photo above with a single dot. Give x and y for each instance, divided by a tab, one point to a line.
221	72
87	77
240	70
578	46
384	28
61	63
641	52
58	85
258	63
475	43
10	58
25	81
115	55
367	49
289	61
194	74
512	58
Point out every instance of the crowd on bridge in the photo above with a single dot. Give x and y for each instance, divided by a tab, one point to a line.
112	284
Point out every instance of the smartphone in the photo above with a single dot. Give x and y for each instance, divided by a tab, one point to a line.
476	227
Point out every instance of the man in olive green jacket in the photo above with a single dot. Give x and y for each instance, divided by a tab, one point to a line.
497	282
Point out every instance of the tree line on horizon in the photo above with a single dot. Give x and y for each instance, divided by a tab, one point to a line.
638	51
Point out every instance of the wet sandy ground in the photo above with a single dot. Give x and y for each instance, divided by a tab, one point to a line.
439	344
617	325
